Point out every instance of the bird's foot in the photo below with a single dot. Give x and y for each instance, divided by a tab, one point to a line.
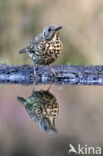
54	77
53	72
35	81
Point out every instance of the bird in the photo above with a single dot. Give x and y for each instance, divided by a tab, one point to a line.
45	48
43	108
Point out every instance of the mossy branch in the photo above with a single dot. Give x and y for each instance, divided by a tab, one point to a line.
65	75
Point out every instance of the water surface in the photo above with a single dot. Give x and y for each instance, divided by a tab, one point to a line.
79	121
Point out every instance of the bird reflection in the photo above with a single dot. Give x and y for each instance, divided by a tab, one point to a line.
42	107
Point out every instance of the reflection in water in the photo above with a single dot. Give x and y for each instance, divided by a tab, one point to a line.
42	107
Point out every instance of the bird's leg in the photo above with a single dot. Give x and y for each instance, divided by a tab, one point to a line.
35	76
52	70
34	68
54	75
49	87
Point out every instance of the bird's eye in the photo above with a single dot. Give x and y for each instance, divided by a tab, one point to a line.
49	29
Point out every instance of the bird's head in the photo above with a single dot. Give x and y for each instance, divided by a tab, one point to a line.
50	31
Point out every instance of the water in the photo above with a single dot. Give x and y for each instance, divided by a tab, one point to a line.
79	121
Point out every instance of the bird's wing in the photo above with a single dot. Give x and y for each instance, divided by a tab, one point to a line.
35	42
37	39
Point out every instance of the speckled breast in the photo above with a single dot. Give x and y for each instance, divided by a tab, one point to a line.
46	52
42	103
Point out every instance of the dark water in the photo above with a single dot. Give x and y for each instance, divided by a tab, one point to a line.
79	120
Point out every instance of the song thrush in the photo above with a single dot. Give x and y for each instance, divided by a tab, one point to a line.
45	48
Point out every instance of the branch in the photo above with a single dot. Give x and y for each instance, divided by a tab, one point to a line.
66	75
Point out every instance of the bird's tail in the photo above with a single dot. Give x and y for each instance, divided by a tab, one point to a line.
21	99
25	50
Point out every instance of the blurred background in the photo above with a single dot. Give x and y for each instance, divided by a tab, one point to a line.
80	120
82	32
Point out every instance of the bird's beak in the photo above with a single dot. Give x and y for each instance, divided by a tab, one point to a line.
58	28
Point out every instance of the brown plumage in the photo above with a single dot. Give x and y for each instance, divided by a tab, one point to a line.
42	107
45	48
